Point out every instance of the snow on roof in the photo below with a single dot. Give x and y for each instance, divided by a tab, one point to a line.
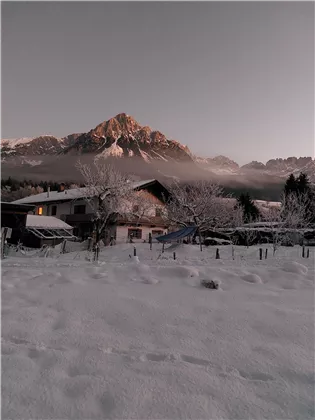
139	184
65	195
265	203
45	222
54	196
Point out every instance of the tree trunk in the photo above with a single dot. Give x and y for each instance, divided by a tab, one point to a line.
198	231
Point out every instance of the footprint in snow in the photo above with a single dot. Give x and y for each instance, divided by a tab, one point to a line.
158	357
256	376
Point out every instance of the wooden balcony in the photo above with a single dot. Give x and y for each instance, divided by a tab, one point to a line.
154	221
144	221
77	218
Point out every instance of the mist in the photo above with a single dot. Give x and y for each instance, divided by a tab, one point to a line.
62	168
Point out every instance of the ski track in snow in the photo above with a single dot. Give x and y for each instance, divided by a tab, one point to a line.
139	338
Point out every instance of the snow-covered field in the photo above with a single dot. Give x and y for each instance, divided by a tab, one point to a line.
124	339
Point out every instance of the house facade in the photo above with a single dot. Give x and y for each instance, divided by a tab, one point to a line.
137	221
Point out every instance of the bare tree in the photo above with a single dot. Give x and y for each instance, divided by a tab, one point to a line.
287	223
296	210
139	207
8	195
237	225
106	190
199	204
249	232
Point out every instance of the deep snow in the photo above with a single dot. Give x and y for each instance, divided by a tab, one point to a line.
139	338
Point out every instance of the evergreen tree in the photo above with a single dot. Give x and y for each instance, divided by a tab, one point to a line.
291	185
250	210
303	184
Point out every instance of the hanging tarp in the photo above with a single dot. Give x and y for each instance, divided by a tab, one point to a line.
179	234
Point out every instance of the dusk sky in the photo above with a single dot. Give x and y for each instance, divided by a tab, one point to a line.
225	78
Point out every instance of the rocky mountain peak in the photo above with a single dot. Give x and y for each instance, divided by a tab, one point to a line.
123	136
121	124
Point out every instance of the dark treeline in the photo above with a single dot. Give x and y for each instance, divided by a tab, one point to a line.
15	184
266	193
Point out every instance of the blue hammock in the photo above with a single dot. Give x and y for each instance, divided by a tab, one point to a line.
179	234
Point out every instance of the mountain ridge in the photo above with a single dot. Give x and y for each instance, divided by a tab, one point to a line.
123	137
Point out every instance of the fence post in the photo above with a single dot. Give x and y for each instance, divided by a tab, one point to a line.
217	254
233	254
2	242
4	232
63	248
308	253
174	255
260	253
96	252
163	248
134	251
303	252
266	253
150	241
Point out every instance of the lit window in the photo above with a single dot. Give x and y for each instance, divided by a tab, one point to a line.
40	210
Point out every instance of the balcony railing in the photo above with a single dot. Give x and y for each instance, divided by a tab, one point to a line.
144	221
131	221
77	218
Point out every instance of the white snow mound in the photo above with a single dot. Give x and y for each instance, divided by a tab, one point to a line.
295	267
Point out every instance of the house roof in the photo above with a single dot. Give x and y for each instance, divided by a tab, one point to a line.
45	222
68	195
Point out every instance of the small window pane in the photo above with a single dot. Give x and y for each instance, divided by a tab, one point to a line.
135	233
79	209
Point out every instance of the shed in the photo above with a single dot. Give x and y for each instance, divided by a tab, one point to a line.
45	230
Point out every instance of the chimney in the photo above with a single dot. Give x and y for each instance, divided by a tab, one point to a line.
62	187
48	191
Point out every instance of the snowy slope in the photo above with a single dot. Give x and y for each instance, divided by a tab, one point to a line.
37	146
128	340
12	143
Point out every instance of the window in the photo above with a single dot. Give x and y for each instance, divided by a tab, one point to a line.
40	211
79	209
51	233
53	210
158	212
135	233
